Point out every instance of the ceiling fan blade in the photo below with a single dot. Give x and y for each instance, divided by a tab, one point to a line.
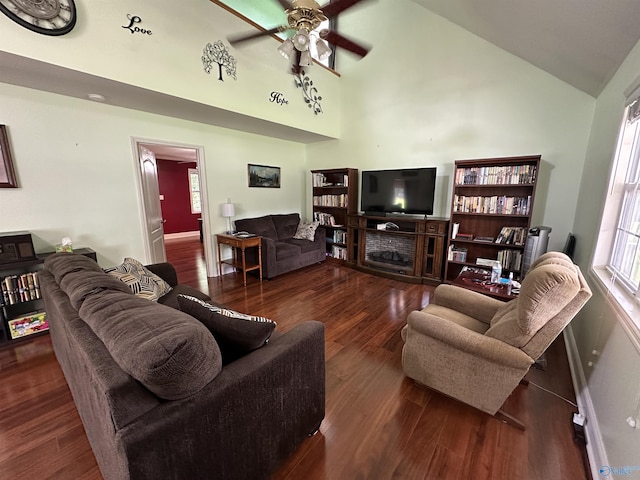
338	6
338	40
286	4
295	64
237	39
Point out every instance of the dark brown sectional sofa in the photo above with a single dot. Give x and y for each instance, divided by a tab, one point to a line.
155	400
281	253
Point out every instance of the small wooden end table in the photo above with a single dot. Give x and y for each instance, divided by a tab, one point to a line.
240	244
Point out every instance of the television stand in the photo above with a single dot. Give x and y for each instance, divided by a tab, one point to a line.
412	252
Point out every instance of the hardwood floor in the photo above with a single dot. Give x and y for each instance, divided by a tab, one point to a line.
378	424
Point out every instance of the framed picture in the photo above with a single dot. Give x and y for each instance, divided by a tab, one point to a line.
7	174
264	176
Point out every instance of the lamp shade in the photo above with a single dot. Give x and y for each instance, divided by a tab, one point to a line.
301	40
228	210
286	49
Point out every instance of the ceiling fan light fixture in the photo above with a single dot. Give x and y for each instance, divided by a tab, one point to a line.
305	59
322	49
286	49
301	40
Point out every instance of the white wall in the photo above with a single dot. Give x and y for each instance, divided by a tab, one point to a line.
169	60
431	93
607	357
76	171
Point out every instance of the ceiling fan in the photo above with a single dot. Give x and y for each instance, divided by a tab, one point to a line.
305	16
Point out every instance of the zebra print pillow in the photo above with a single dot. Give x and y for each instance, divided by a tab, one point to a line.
140	280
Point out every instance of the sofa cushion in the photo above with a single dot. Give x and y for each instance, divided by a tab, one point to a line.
286	250
505	327
59	264
306	231
169	352
304	245
171	298
262	226
286	224
236	333
142	281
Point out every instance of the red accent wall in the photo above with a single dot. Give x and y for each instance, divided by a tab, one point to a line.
173	181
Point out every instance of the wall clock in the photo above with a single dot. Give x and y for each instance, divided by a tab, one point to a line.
48	17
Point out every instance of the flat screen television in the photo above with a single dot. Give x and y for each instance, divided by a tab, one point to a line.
401	191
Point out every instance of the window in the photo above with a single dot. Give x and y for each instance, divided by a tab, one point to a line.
616	261
194	188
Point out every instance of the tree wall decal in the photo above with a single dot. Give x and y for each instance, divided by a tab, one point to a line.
217	53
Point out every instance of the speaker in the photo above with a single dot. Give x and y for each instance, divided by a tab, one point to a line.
537	243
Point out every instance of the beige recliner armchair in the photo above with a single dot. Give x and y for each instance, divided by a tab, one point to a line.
477	349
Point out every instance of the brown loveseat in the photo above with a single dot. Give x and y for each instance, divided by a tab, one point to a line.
281	253
154	398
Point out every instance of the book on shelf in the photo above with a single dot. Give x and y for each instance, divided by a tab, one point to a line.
325	219
320	180
19	288
339	252
330	200
465	236
340	236
454	230
485	262
512	236
484	239
496	175
457	254
496	204
510	260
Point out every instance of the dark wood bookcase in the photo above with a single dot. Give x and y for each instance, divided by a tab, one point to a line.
491	208
22	315
335	196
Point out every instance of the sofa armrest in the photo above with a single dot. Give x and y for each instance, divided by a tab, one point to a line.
268	256
473	304
468	341
166	271
321	236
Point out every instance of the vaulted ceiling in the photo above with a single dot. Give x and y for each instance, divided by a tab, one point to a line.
582	42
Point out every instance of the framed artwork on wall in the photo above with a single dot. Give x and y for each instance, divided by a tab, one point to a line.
7	173
264	176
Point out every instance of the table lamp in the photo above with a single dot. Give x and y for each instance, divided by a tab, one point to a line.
228	211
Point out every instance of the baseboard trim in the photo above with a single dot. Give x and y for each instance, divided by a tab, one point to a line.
169	236
595	446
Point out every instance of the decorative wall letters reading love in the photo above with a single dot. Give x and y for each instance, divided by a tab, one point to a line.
133	28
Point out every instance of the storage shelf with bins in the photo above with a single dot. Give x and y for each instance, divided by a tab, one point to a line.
335	196
491	210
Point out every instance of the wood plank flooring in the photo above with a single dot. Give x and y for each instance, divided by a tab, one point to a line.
378	425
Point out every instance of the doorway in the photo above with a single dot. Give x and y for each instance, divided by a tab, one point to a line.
146	153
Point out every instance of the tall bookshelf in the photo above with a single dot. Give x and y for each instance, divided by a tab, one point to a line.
335	196
491	210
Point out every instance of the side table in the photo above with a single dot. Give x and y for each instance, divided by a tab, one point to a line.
479	281
240	244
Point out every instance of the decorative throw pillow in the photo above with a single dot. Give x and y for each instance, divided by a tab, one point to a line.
236	333
142	281
306	231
